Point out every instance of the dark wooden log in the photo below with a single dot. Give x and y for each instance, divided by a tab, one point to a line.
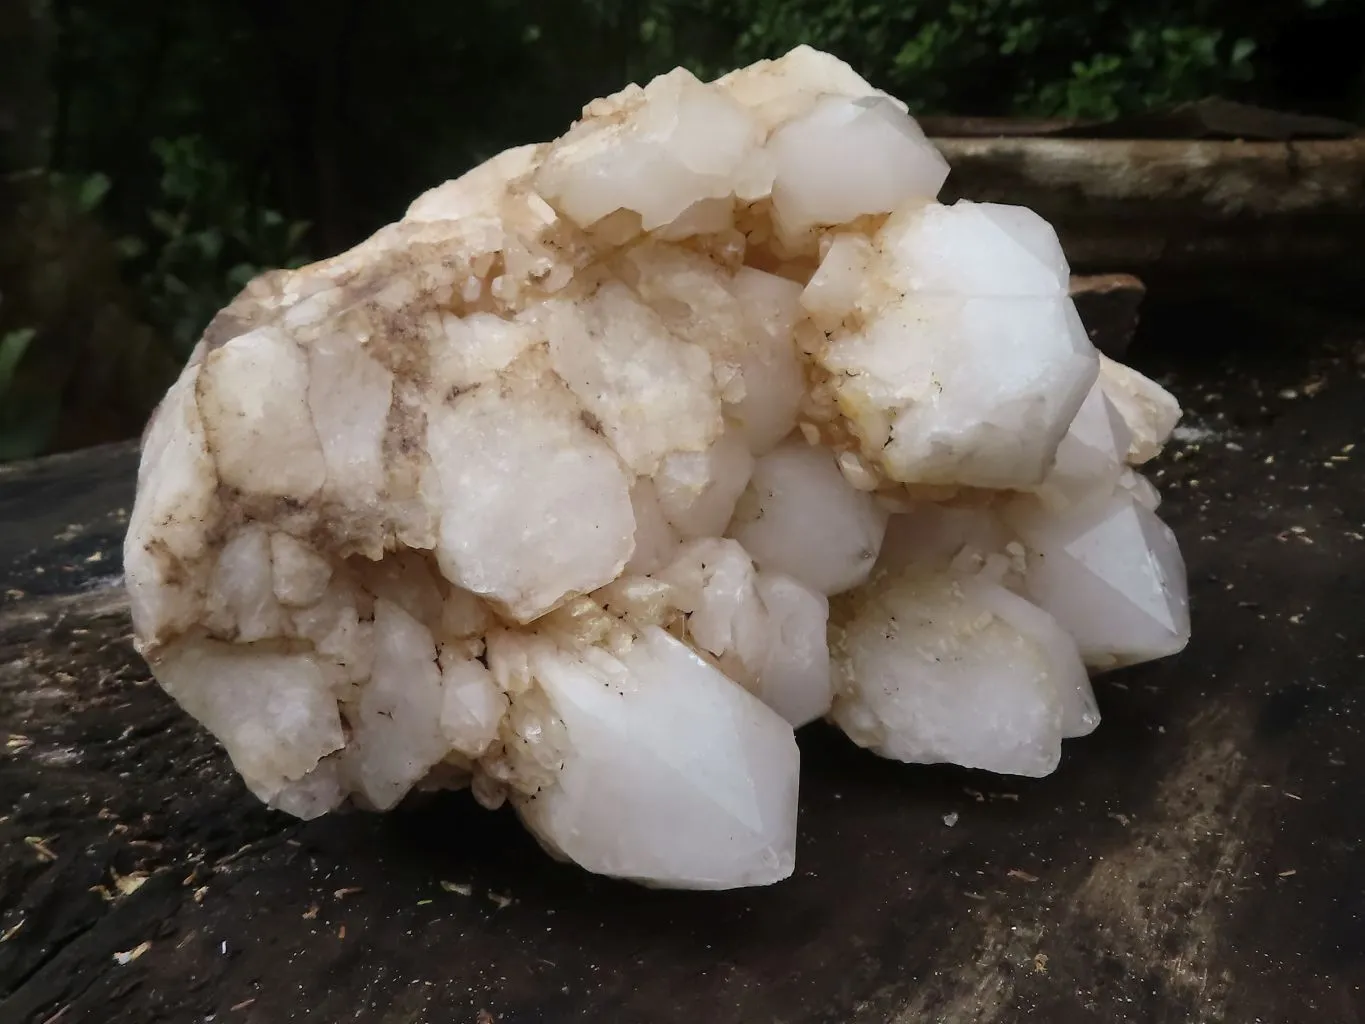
1197	858
1212	118
1182	212
1108	305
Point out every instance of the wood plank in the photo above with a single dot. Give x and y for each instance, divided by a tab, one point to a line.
1108	305
1181	209
1211	118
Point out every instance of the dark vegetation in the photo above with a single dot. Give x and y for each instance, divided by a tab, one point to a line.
155	155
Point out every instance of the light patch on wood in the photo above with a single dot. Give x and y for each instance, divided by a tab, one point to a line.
1161	890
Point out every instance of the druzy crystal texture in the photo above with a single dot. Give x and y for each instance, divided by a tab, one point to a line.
621	457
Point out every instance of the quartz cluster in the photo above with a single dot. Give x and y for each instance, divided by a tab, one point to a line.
621	457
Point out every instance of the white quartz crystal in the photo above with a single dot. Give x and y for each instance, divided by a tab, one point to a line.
623	456
1111	573
947	374
803	518
941	667
659	720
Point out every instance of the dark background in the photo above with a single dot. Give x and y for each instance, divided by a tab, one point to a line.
155	155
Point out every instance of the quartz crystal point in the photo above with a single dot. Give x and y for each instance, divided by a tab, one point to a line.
620	457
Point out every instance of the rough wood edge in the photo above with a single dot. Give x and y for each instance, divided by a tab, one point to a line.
1221	179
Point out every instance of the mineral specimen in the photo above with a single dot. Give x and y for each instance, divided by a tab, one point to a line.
620	457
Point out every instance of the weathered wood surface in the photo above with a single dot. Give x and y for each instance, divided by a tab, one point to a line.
1109	305
1198	859
1211	118
1181	208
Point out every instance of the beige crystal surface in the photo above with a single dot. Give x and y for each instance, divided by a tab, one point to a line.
621	457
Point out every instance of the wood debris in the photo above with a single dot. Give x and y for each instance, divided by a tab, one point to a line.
129	884
40	847
127	957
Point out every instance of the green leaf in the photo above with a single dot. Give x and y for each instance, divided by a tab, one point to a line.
92	192
165	223
296	232
130	247
210	244
1242	49
240	275
13	345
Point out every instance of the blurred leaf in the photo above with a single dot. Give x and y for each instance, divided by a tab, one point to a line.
210	244
13	345
92	192
164	223
241	275
130	247
26	427
297	231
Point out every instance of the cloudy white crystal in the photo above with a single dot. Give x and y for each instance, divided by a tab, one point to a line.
803	518
620	457
941	667
765	629
1149	410
560	520
166	553
254	393
1111	573
954	348
661	720
656	152
845	158
275	713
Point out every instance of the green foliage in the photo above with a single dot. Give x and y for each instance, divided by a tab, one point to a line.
13	345
207	239
1157	68
25	424
1034	57
247	122
29	408
215	140
82	193
203	238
